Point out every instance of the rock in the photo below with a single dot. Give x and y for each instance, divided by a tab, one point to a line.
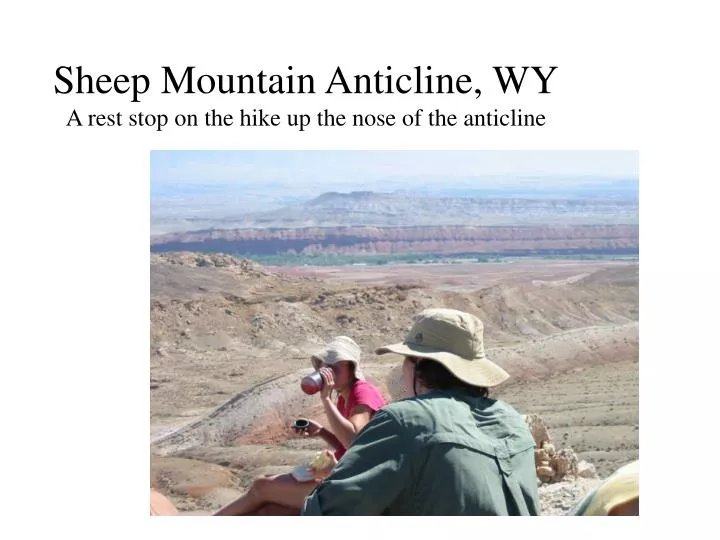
549	449
545	473
561	497
565	464
553	465
586	470
538	429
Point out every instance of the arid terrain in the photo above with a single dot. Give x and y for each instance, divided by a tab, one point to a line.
230	340
363	223
478	240
196	208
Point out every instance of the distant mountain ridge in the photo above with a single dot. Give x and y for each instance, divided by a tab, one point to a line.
447	239
183	209
368	208
367	222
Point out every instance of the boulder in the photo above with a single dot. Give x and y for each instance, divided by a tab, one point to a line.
586	470
554	465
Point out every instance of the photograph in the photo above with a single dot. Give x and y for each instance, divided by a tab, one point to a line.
394	332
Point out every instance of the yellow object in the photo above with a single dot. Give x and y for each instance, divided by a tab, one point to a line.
310	470
320	461
622	487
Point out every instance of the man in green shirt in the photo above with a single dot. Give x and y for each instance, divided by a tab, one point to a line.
448	450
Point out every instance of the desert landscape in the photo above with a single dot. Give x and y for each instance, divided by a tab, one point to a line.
230	340
259	258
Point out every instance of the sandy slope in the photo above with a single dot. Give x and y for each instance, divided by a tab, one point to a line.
230	342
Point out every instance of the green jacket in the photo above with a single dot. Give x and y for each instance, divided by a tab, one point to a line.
444	453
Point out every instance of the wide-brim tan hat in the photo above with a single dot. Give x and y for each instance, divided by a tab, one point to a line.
339	349
454	339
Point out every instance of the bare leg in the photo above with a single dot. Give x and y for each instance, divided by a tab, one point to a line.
283	490
160	505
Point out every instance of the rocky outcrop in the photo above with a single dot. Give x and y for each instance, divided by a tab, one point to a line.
422	239
553	465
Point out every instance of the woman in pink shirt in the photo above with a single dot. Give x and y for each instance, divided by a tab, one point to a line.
357	402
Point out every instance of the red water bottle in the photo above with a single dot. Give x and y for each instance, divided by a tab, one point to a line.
312	383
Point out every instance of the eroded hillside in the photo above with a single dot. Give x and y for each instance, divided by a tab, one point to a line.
230	339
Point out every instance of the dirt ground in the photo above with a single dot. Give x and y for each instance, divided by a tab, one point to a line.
461	276
229	341
592	409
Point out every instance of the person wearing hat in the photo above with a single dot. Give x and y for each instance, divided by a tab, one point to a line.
618	495
357	401
447	449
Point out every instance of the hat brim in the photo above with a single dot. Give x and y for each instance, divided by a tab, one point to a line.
476	372
316	360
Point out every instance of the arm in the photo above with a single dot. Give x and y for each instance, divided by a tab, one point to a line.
317	430
329	438
345	429
370	476
365	403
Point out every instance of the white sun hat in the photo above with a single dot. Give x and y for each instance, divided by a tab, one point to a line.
339	349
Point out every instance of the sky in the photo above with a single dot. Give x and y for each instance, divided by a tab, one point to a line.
376	170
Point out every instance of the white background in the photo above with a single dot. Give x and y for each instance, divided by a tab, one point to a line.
75	218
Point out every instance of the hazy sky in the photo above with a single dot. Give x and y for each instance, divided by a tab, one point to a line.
351	168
